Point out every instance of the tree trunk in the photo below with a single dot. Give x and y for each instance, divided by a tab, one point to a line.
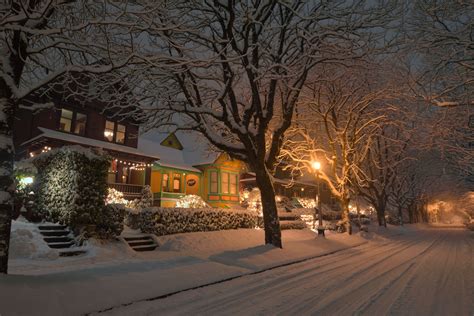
6	179
400	215
269	207
346	220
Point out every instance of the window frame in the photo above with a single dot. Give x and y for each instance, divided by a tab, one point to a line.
225	184
179	178
115	131
166	187
211	172
236	177
73	121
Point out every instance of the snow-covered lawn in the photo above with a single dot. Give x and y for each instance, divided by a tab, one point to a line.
111	276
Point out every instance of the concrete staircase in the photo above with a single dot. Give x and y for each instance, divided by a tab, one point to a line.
290	221
141	243
58	237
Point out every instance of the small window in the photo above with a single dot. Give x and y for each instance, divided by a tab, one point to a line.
80	124
177	183
164	183
120	138
233	184
109	131
225	182
65	122
213	181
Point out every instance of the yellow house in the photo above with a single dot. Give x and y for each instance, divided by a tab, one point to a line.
187	167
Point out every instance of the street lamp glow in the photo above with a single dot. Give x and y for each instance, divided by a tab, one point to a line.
316	165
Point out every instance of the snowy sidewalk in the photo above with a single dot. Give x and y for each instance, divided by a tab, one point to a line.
183	261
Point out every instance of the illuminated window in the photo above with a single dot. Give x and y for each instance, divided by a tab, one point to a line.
225	182
80	124
120	137
109	131
164	183
65	122
233	184
115	132
177	182
214	182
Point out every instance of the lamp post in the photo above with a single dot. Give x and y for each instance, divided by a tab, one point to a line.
317	166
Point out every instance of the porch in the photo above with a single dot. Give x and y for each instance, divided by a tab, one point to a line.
130	191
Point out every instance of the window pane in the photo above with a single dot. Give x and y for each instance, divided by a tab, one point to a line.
177	183
214	182
225	182
66	114
65	122
233	184
109	131
120	137
164	184
121	128
80	124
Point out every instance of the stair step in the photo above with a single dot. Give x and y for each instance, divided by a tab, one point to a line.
131	238
55	233
59	245
141	242
57	239
52	227
289	217
70	253
145	248
292	225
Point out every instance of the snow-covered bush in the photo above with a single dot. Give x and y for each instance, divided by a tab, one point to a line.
115	197
306	202
145	200
191	201
253	201
71	184
109	222
165	221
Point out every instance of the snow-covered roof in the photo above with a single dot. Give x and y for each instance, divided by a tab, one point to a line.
90	142
196	150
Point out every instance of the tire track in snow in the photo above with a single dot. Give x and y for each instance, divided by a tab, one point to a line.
289	283
354	288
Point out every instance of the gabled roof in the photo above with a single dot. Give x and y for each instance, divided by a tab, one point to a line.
195	149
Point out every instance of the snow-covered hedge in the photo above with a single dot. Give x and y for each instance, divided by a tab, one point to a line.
165	221
109	222
191	201
71	185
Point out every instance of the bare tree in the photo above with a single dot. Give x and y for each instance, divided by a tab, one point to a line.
41	43
442	36
338	126
235	70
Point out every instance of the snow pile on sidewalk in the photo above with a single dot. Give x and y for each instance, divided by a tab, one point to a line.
26	242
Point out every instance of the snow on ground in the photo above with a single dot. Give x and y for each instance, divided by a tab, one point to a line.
26	242
111	275
418	272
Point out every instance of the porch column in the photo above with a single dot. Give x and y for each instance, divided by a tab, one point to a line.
147	175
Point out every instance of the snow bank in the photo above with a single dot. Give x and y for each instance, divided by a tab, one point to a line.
26	242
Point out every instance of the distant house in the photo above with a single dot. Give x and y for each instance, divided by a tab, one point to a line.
186	166
82	123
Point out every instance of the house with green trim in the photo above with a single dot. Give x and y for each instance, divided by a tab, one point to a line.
187	166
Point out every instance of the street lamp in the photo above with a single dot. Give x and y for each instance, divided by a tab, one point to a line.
317	166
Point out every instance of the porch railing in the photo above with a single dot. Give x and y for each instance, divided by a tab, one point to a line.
130	191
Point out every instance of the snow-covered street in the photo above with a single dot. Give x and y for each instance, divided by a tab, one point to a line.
422	272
